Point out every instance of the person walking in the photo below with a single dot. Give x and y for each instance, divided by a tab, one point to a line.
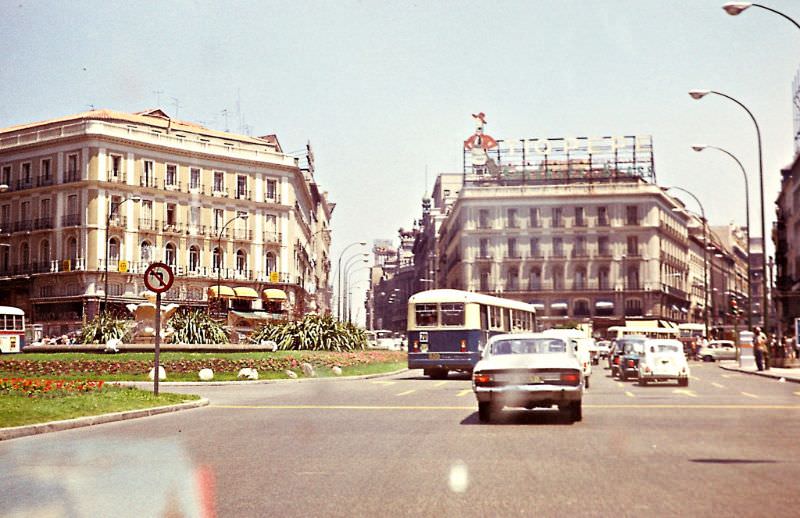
759	347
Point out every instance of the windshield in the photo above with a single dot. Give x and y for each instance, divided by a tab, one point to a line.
633	347
529	346
666	348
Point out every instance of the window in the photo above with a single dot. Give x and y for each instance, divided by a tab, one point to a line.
116	167
5	259
632	215
25	255
25	211
171	178
272	190
219	219
580	308
6	175
219	181
425	315
579	217
194	178
25	174
171	214
633	278
579	282
512	247
535	252
580	247
44	251
633	246
558	278
241	261
534	217
194	258
535	279
483	252
113	250
72	167
145	252
147	213
558	247
483	218
46	172
5	219
241	186
602	216
484	279
194	216
271	263
602	246
216	258
633	308
169	254
148	179
602	278
557	219
512	218
452	314
72	250
513	279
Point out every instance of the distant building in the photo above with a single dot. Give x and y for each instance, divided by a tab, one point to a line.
71	188
787	246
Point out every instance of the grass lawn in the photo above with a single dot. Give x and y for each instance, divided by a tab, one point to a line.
18	409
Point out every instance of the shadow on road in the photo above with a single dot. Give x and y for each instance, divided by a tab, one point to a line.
521	417
733	461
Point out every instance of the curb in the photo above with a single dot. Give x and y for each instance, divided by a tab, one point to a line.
79	422
145	384
763	374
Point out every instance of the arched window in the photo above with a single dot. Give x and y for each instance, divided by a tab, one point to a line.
194	258
44	252
146	252
535	279
580	278
216	258
272	263
169	254
113	249
25	255
241	261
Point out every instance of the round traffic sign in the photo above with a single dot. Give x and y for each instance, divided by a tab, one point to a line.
158	277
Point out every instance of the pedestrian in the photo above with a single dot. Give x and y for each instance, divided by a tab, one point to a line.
759	347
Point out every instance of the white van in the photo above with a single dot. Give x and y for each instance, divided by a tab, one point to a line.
581	345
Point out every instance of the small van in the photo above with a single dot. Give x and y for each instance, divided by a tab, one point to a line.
581	345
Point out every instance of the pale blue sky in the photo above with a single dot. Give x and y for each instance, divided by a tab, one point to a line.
384	90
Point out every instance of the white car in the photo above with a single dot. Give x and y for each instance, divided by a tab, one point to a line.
717	350
663	360
528	370
582	347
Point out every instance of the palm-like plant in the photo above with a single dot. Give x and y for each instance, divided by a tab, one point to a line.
104	327
197	327
314	333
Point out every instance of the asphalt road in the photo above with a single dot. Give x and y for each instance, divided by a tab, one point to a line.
727	445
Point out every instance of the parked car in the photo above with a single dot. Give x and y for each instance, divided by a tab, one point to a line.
718	350
632	351
663	360
528	370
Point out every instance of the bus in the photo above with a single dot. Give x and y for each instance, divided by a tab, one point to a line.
447	329
12	329
615	332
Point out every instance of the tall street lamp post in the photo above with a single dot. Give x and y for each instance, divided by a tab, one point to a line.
734	8
747	227
705	253
699	94
350	288
111	211
242	216
339	277
347	265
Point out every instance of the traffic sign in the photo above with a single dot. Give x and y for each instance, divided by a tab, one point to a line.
122	266
158	277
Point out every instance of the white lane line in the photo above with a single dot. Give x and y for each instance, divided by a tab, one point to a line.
717	384
439	383
797	393
630	394
726	375
384	383
749	395
684	392
407	392
464	392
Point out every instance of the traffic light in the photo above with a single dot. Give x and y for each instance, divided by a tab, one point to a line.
734	306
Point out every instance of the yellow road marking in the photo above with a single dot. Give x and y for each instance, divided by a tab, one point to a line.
472	407
630	394
695	378
439	383
797	393
685	392
385	383
407	392
620	385
726	375
717	384
749	395
464	392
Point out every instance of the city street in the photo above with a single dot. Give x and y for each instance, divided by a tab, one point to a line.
405	445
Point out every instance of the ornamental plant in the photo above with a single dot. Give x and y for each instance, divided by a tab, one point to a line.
104	327
197	327
312	333
32	387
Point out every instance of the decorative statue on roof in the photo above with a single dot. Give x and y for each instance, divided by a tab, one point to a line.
479	143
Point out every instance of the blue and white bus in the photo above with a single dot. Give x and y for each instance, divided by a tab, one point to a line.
12	329
447	329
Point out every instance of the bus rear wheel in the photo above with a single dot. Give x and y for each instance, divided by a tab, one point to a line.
438	374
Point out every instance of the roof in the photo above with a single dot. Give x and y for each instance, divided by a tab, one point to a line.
447	295
11	310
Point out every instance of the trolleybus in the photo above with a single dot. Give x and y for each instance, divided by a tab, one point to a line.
12	329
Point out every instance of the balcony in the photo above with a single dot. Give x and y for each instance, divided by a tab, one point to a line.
115	175
172	185
272	197
196	188
71	220
25	225
272	237
26	183
580	254
146	181
483	256
43	223
172	228
604	254
219	192
558	254
149	225
72	176
44	181
244	194
513	256
603	222
242	234
580	223
118	221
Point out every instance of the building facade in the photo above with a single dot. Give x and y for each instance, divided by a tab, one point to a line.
107	193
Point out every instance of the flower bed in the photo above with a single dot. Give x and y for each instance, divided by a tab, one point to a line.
33	387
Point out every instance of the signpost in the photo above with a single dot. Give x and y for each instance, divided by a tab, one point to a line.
158	278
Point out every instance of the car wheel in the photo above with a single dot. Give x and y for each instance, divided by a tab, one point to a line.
485	411
586	382
683	382
622	375
642	381
439	374
576	411
708	358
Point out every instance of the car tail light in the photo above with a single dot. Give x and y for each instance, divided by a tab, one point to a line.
463	346
481	379
616	360
416	346
631	363
647	368
571	377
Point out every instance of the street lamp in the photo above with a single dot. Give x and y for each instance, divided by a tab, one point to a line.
111	211
734	8
339	277
699	94
347	266
699	148
219	249
705	251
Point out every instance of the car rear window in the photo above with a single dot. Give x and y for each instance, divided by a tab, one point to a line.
529	346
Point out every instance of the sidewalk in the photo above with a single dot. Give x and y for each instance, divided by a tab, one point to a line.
792	375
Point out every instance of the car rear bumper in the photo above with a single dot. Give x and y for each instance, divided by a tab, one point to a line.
445	360
529	395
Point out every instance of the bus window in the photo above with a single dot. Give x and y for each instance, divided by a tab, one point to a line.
507	320
425	315
494	320
484	317
453	315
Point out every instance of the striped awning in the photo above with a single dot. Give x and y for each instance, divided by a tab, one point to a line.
274	294
604	304
244	292
225	292
558	305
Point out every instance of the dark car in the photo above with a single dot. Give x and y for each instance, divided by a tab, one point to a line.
617	347
632	352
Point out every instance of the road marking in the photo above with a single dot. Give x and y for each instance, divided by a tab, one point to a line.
685	392
620	385
726	375
749	395
464	392
695	378
440	383
407	392
717	384
630	394
472	407
797	393
384	383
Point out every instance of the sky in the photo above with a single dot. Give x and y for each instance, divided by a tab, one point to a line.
384	91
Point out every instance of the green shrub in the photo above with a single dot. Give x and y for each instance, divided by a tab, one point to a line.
197	327
312	333
103	328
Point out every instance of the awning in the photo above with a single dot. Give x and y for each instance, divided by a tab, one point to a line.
558	305
537	305
225	292
604	304
274	294
243	292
